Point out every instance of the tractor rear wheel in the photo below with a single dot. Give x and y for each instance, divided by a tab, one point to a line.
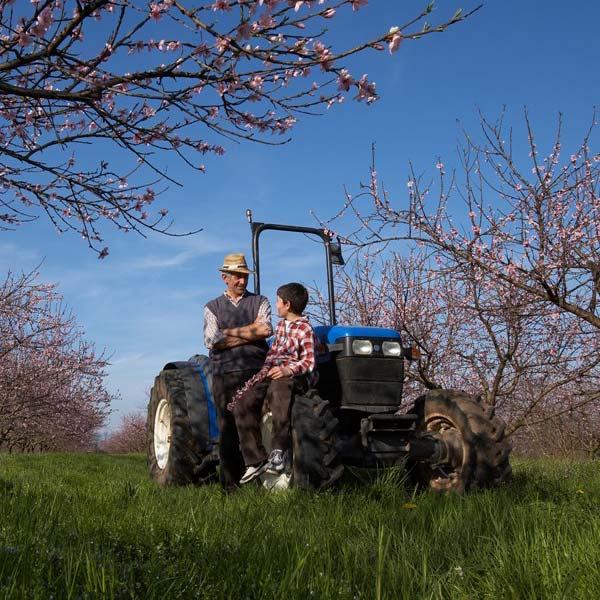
177	455
314	437
473	450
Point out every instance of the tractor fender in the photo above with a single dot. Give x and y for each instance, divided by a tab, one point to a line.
197	380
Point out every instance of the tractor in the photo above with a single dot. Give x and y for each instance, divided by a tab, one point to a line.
448	441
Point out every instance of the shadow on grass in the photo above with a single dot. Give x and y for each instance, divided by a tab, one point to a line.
6	486
526	484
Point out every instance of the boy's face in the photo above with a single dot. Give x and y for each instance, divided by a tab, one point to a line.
283	308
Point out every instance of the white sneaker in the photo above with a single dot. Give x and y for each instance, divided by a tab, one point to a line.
253	471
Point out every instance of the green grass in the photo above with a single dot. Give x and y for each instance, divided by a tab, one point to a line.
93	526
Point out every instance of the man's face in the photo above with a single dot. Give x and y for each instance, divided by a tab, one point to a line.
236	283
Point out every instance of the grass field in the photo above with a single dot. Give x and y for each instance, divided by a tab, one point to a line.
94	526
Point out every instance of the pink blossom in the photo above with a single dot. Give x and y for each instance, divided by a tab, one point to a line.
222	44
221	5
266	21
256	83
319	48
23	38
245	30
356	4
156	11
344	80
366	90
328	13
43	22
395	40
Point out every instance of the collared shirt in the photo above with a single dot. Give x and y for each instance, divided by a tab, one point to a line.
293	348
212	334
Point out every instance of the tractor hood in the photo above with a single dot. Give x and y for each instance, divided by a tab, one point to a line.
330	334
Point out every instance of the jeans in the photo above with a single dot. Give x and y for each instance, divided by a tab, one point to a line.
275	395
231	462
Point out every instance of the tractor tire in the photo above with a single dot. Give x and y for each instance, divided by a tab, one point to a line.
180	448
315	443
476	454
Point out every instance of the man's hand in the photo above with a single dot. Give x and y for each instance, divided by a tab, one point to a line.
279	372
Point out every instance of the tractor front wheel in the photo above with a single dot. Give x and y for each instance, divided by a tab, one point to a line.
472	450
176	455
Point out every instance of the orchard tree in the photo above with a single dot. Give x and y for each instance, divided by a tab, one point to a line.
532	224
52	393
94	92
535	366
129	437
524	254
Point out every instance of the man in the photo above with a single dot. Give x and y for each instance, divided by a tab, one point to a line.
236	325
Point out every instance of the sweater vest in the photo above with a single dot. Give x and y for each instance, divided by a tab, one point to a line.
249	356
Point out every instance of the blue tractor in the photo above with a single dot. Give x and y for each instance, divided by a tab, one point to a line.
448	441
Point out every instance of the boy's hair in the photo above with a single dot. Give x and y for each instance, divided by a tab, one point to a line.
296	294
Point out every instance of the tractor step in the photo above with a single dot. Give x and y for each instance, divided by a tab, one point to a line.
387	435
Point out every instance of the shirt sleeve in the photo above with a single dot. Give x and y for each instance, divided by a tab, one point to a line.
306	355
264	314
212	335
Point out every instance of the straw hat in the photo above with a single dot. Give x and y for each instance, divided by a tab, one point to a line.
235	263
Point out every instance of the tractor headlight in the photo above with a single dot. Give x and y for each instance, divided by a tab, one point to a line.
362	347
391	348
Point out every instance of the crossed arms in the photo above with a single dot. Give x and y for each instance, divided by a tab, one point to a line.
221	339
238	336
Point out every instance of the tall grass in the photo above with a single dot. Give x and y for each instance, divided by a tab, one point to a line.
89	526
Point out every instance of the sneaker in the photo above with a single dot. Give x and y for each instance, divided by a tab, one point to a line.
277	461
253	471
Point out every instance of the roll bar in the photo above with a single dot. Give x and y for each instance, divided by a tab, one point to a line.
333	253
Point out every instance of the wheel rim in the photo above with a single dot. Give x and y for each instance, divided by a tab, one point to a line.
447	474
162	433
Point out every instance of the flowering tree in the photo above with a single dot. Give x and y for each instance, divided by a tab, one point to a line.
129	437
535	228
532	364
52	394
522	258
93	91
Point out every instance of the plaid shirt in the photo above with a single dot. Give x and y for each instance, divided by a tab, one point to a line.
294	348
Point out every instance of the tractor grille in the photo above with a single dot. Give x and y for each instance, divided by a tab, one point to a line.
372	383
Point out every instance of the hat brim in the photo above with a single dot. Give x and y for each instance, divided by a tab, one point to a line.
244	271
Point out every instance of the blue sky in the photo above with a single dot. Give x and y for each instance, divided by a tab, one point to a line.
143	304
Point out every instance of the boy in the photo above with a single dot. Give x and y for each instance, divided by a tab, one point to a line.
289	368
